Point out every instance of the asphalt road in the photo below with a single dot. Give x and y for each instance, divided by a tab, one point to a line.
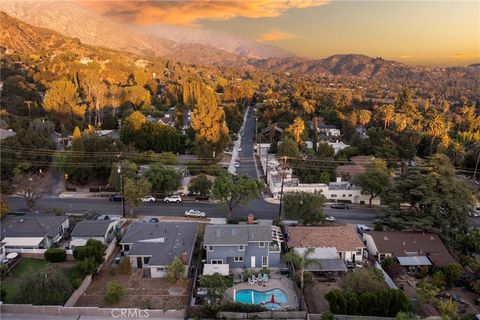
247	164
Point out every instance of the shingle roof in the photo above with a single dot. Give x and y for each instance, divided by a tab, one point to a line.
236	234
343	238
91	228
408	243
33	226
161	241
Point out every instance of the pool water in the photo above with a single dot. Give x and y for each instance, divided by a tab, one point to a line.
258	297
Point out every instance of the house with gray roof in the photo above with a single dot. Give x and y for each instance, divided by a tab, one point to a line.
242	246
32	231
152	246
101	230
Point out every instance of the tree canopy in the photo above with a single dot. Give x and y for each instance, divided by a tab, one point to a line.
304	206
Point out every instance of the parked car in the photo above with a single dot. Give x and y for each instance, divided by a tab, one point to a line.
239	149
176	199
237	165
362	228
476	212
458	298
195	213
330	219
148	199
154	220
339	206
103	217
116	197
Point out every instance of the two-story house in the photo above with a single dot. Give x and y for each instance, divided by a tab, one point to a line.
243	246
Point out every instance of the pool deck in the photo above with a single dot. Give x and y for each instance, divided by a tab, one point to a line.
283	283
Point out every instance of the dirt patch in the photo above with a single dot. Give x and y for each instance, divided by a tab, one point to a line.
315	295
140	292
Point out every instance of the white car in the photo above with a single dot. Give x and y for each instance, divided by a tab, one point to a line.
239	149
237	165
195	213
330	219
476	212
148	199
176	199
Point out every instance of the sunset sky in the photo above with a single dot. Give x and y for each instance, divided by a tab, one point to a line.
414	32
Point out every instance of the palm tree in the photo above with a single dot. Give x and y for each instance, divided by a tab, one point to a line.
435	127
400	121
364	117
300	262
388	112
456	153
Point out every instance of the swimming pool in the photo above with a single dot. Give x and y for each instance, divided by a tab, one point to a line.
262	297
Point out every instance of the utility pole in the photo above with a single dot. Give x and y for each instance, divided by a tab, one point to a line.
284	168
120	173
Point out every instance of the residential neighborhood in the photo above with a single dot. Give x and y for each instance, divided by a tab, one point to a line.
300	160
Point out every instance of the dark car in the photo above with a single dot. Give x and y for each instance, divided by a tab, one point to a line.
339	206
116	197
154	220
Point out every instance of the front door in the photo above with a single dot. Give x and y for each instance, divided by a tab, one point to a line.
252	262
139	262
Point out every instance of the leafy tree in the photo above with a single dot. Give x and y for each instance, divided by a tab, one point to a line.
216	285
363	280
176	270
125	266
208	120
4	209
31	187
93	248
134	190
163	179
438	201
469	242
324	150
374	180
304	206
427	291
296	130
114	292
438	279
87	266
288	148
131	126
300	262
448	309
232	191
200	184
48	286
63	101
364	117
129	171
453	273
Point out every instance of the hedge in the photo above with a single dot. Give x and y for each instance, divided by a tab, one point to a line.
55	255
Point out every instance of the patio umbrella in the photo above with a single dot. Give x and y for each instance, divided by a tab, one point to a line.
273	299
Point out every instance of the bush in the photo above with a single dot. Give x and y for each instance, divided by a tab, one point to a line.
453	273
76	283
327	316
175	270
233	220
265	270
125	267
93	248
241	307
115	292
378	226
202	312
87	266
55	255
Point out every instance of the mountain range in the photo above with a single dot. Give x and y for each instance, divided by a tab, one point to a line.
204	47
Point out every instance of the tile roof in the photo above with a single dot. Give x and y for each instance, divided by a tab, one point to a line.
91	228
236	234
162	241
33	226
413	243
343	238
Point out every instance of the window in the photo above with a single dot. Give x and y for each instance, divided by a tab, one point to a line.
146	260
210	248
359	252
349	195
261	244
126	247
334	195
216	261
238	259
161	269
264	261
344	195
241	248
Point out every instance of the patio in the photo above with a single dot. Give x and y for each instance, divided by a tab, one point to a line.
276	281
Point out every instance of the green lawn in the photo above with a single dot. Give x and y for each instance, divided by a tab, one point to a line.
11	283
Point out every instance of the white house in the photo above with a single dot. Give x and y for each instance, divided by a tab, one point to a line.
337	146
329	130
101	230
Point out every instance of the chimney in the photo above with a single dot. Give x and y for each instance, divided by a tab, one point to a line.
183	257
250	218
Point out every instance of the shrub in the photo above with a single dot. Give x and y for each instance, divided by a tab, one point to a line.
378	226
93	248
87	266
202	312
327	316
125	267
55	255
453	273
115	292
265	270
76	283
241	307
175	270
233	220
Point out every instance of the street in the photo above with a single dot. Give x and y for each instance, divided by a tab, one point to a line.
247	163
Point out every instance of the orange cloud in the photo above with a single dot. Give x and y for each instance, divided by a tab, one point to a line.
275	35
464	55
189	13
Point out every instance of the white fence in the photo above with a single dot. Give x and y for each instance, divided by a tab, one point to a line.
39	251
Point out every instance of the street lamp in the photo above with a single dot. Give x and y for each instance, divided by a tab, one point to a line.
120	173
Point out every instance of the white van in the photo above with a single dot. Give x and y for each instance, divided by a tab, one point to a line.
361	228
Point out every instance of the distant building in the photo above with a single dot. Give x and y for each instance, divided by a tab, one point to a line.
337	146
4	133
358	166
329	130
101	230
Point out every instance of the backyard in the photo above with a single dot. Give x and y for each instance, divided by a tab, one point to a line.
139	292
11	284
315	295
